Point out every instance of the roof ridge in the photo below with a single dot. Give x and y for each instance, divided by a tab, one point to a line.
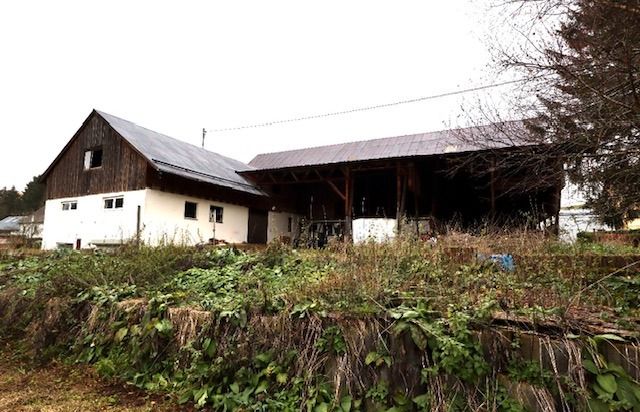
102	113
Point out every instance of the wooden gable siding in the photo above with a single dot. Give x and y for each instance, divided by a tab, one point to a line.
123	169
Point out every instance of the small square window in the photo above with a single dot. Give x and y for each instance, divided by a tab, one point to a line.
215	214
113	203
71	205
93	158
190	210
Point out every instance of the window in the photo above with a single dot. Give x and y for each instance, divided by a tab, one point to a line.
93	158
190	210
70	205
215	214
114	202
289	224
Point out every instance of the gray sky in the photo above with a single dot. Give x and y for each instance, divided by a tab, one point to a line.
176	67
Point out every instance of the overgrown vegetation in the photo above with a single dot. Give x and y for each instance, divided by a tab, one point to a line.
367	327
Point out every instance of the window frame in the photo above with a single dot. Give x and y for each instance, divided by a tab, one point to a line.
90	158
219	217
195	210
68	205
113	201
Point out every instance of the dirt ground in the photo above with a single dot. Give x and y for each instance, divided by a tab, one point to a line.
66	388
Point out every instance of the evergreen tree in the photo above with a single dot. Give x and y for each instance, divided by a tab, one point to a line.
586	74
10	202
33	195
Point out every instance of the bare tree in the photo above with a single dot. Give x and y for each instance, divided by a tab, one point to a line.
580	61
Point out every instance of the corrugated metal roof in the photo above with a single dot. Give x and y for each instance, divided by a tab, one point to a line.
10	224
498	135
177	157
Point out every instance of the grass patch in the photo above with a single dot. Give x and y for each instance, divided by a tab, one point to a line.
275	329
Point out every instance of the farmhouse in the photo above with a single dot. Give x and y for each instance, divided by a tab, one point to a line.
116	181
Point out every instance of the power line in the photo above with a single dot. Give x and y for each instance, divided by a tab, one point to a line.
367	108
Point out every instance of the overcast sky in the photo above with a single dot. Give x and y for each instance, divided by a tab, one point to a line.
176	67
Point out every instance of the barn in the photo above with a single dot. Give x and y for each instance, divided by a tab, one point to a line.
420	184
116	182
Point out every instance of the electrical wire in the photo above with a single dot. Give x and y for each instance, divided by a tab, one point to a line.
368	108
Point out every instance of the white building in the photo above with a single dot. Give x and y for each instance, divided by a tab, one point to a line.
574	216
116	182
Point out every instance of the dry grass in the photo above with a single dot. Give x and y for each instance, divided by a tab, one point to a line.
61	388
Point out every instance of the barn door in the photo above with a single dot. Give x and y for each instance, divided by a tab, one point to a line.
257	226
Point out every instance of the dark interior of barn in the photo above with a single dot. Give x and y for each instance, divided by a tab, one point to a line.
449	192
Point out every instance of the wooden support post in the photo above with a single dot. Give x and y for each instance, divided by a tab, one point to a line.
416	195
398	195
435	191
492	185
401	192
558	203
348	201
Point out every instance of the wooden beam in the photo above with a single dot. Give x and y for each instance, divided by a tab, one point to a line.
343	196
493	187
348	185
398	197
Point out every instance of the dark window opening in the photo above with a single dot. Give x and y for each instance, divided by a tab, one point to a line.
215	214
114	203
190	209
73	205
93	159
289	224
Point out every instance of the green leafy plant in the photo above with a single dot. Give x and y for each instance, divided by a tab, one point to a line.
613	388
452	346
332	341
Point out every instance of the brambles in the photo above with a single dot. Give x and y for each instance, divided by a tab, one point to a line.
349	328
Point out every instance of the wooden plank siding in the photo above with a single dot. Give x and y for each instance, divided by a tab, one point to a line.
123	169
170	183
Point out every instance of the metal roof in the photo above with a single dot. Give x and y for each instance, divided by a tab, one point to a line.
180	158
10	224
497	135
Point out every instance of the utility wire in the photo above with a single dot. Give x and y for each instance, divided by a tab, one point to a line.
367	108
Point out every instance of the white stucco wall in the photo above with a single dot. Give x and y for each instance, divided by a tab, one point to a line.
161	220
574	217
164	221
376	229
278	225
91	222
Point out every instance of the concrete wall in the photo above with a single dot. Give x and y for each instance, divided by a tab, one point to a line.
573	221
164	221
91	222
278	225
376	229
